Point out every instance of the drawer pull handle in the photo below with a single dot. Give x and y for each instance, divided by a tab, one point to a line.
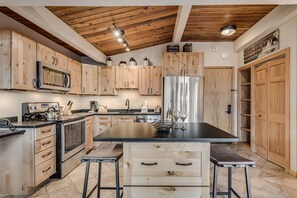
45	143
149	164
49	168
183	164
43	132
45	155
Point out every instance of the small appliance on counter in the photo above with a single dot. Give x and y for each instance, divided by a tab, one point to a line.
144	107
157	109
93	106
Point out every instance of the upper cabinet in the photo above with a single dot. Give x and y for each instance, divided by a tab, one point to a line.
17	61
89	79
75	69
51	57
106	81
127	77
150	80
183	63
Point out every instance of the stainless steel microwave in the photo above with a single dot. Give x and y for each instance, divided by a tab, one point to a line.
52	78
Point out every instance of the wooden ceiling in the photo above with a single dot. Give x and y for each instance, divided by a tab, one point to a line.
205	22
144	26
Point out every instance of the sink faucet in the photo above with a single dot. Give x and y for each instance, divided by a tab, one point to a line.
127	104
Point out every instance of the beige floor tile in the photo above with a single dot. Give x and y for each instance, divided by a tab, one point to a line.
57	184
68	191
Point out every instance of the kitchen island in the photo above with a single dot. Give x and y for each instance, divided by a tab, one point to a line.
166	163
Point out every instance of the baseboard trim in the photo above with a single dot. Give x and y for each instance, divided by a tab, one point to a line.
293	173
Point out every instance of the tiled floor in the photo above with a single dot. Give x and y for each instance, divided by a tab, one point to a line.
267	179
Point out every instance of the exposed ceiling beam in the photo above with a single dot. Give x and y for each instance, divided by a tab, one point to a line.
181	22
46	20
137	2
269	23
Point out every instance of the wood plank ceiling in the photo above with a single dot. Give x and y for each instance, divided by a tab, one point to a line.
205	22
144	26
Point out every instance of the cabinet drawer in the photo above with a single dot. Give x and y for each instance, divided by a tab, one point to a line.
45	132
45	170
45	155
103	118
44	143
165	192
180	164
123	118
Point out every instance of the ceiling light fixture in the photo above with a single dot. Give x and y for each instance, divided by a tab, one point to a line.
120	36
228	30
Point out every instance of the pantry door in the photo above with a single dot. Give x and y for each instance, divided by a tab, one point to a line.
218	108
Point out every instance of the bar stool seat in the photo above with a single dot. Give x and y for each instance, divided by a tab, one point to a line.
224	157
105	153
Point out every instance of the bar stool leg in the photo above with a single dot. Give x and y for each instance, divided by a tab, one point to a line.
84	195
215	181
247	181
99	180
117	179
229	182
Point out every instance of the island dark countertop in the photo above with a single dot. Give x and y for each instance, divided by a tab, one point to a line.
146	132
7	132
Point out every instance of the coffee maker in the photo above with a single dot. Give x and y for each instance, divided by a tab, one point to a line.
93	106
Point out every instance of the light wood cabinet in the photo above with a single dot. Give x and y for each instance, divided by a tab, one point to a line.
89	79
76	75
18	61
106	81
89	133
51	57
122	118
183	63
150	80
127	77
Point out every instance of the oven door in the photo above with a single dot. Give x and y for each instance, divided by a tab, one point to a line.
73	138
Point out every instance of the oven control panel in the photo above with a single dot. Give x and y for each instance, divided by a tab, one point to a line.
39	107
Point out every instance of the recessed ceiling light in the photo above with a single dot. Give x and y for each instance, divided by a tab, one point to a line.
228	30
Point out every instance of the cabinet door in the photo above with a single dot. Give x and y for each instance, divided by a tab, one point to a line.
60	60
89	79
144	80
261	110
156	80
45	54
194	63
106	81
132	77
23	63
89	133
172	64
75	70
121	77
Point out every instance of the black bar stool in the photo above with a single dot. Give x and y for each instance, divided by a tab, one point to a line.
100	154
225	157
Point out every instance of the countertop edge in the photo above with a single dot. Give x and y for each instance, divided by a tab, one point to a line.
12	133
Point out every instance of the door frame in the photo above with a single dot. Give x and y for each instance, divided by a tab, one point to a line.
233	95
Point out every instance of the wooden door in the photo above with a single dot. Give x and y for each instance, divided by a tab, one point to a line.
60	60
278	115
217	97
106	81
89	79
261	109
132	77
156	80
45	54
194	63
121	77
144	79
172	64
75	70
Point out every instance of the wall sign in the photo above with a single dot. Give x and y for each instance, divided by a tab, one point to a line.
264	46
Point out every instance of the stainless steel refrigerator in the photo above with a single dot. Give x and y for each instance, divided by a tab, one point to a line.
183	93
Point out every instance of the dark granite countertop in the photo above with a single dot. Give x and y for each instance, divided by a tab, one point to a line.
29	124
7	132
146	132
121	112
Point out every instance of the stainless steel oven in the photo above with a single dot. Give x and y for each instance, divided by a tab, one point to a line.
71	145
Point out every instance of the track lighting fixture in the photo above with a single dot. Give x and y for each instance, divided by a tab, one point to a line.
120	36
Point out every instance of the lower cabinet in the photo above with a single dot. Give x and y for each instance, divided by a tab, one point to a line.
148	167
120	119
89	133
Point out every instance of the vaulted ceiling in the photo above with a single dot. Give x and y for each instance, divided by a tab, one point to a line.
147	26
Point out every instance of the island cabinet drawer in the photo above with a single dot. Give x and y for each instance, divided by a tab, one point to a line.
45	132
116	119
45	170
165	192
174	164
103	119
45	155
45	143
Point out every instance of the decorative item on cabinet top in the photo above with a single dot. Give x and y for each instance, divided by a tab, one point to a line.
187	47
132	62
109	62
123	63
